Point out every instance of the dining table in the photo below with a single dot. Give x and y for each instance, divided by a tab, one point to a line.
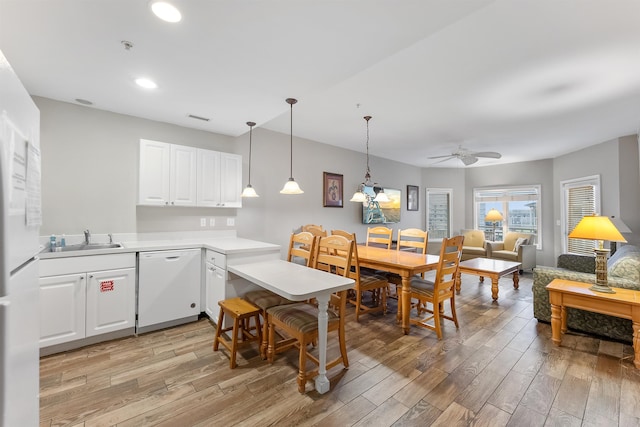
299	283
405	264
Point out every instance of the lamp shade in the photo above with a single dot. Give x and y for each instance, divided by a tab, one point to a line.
595	227
493	215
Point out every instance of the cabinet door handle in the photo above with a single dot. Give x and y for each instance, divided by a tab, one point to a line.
173	203
81	277
91	277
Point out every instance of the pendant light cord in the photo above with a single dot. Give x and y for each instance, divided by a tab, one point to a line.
291	143
367	118
250	134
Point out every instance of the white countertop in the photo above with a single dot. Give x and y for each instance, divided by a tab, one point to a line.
290	280
227	245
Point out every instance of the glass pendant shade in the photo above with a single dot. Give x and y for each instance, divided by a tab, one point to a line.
381	197
291	186
249	191
359	197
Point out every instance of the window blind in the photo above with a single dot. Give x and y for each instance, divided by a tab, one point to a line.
581	201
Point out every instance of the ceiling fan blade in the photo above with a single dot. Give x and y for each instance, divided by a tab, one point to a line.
443	160
468	160
489	154
440	157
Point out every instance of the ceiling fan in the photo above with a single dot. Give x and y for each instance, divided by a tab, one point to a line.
467	157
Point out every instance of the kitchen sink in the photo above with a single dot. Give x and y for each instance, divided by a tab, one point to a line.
88	247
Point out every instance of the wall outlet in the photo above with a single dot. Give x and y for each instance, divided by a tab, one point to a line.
203	222
231	222
212	222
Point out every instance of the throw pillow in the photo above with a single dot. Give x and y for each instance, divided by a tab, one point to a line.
519	242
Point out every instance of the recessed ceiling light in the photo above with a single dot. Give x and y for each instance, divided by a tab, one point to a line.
83	101
166	11
146	83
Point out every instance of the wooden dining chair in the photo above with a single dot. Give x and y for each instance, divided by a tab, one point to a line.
413	239
366	281
379	236
301	249
299	321
439	290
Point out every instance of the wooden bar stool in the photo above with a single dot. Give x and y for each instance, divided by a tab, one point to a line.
242	312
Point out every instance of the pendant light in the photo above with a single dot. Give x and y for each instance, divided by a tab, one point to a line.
249	191
291	186
360	196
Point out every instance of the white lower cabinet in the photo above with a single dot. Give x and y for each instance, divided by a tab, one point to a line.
62	308
215	285
86	303
111	301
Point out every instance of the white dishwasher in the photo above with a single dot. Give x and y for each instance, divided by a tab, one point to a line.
168	288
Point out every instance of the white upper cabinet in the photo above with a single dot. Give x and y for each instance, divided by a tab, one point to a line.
230	180
182	188
208	178
154	173
178	175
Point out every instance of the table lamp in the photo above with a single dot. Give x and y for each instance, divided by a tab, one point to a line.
598	228
493	216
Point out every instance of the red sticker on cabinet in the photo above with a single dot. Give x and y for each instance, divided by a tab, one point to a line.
106	286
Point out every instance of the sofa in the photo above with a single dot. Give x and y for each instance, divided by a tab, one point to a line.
623	271
474	245
517	247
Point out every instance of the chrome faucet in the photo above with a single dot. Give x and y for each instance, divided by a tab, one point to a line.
87	237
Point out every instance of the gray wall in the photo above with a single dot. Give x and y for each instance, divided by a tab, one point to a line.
539	172
90	164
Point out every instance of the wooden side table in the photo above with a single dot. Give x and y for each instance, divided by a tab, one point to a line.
625	303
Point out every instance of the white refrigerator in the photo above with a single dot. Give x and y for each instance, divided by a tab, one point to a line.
20	219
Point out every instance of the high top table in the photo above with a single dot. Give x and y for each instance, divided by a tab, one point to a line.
299	283
405	264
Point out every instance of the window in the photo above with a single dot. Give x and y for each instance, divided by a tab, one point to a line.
439	212
519	206
580	197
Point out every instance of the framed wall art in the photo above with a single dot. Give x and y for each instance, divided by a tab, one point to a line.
332	190
412	197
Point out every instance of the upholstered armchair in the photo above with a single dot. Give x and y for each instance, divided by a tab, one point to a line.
517	247
474	245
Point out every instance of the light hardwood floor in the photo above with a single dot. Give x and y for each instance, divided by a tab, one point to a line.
500	368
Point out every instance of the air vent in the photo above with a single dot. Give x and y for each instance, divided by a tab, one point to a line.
204	119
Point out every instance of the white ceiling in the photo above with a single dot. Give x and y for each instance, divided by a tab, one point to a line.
531	79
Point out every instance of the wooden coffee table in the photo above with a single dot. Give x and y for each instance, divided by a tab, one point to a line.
624	303
492	268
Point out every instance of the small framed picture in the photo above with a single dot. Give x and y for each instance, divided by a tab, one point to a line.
332	190
412	198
